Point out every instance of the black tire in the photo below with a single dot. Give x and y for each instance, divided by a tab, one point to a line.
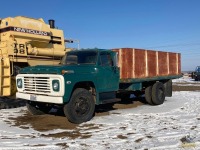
158	93
197	78
168	88
36	108
81	106
148	95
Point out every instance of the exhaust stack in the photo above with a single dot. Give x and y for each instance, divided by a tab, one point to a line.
52	23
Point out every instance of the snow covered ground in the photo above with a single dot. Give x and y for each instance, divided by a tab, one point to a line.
174	125
185	79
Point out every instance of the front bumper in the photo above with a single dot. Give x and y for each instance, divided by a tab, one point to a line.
40	98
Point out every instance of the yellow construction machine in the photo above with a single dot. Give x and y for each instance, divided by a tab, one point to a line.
27	42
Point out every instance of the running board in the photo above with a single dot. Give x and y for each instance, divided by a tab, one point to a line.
110	100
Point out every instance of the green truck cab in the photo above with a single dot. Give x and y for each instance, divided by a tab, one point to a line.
84	78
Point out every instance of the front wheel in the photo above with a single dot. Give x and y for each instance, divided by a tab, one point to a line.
81	106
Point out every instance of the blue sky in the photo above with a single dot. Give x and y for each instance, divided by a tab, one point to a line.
167	25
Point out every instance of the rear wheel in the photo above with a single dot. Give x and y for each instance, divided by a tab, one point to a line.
36	108
81	106
148	95
168	88
158	93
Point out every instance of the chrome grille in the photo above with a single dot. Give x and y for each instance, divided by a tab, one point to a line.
39	85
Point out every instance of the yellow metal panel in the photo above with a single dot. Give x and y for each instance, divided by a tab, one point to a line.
5	77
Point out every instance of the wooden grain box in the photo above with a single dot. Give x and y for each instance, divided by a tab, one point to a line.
141	63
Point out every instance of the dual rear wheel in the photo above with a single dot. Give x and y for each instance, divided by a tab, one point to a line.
155	95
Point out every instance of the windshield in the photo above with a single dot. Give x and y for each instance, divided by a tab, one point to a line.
80	58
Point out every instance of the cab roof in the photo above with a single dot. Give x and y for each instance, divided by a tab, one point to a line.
88	50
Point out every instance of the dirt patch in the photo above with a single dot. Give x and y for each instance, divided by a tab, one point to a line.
63	145
138	140
71	134
43	122
49	122
39	145
149	136
185	88
132	104
122	137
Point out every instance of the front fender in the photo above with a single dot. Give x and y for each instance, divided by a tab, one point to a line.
72	80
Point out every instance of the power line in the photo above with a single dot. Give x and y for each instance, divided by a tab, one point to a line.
173	45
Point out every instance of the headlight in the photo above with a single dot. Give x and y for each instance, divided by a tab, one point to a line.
56	85
19	83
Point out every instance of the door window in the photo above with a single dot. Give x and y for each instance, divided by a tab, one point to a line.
106	59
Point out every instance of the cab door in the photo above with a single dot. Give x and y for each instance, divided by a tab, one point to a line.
108	72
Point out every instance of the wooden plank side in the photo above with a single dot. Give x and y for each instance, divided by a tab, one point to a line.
179	63
151	63
123	65
162	63
140	63
173	63
129	62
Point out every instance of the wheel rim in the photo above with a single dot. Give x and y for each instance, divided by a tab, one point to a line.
81	106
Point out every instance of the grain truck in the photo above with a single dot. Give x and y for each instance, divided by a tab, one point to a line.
90	77
26	42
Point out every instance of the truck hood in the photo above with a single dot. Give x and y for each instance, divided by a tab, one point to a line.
44	69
